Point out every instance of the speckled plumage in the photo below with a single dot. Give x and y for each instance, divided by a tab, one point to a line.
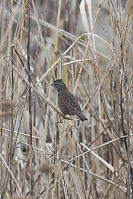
67	102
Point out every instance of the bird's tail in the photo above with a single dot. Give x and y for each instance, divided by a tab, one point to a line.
81	116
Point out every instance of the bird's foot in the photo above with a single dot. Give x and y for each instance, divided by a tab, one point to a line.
58	122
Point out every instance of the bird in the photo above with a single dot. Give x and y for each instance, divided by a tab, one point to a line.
67	102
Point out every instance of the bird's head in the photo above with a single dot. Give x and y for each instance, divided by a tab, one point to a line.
59	85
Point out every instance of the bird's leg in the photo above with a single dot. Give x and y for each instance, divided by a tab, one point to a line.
59	121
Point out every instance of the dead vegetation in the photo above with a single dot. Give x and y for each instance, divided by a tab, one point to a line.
90	46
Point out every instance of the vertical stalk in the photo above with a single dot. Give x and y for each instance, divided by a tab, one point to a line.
29	72
30	93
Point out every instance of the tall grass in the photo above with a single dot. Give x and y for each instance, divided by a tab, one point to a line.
89	45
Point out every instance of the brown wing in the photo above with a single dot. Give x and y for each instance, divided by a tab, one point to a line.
68	103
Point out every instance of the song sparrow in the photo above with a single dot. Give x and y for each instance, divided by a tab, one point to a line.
67	102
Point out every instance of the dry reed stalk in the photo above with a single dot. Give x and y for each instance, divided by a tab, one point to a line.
72	159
